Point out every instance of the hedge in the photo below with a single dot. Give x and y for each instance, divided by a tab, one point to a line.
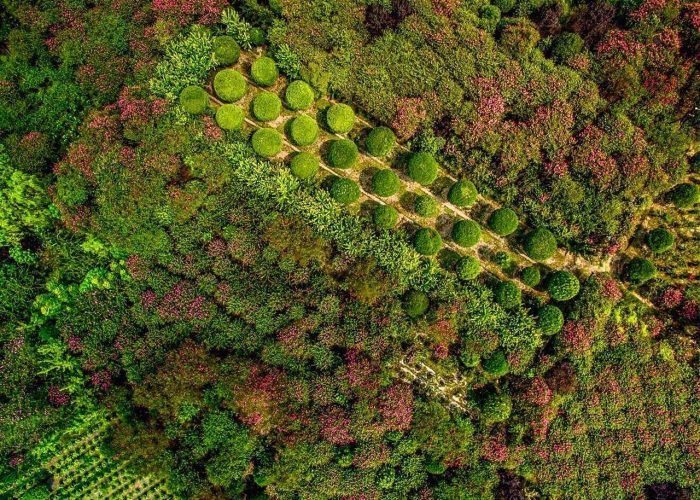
427	241
303	130
266	106
267	142
496	408
426	206
550	319
344	191
385	216
385	183
496	365
422	168
264	71
299	95
226	50
342	153
531	276
194	99
340	118
640	270
415	303
503	221
462	193
230	117
684	195
507	295
562	286
466	233
380	141
304	165
660	240
229	85
540	244
468	268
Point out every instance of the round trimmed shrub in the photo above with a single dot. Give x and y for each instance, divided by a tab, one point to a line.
540	244
342	153
426	206
304	165
345	191
531	276
684	195
550	319
226	50
303	130
496	365
380	141
230	85
427	241
415	303
340	118
563	285
503	221
565	46
496	408
466	233
299	95
230	117
264	71
507	295
266	106
194	99
640	270
660	240
385	216
462	193
468	268
267	142
385	182
422	168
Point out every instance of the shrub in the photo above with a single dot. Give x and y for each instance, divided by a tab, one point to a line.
385	216
267	142
531	276
344	191
496	408
340	118
304	165
426	206
507	295
503	259
230	85
563	285
226	50
684	195
415	303
72	189
503	221
422	168
299	95
385	183
466	233
266	106
342	153
640	270
660	240
462	193
264	71
380	141
504	5
540	244
496	365
194	99
427	241
257	36
566	46
303	130
229	117
550	319
468	268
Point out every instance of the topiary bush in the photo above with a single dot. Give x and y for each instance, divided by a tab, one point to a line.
462	193
507	295
340	118
496	364
466	233
385	183
540	244
426	206
550	319
415	304
503	221
660	240
230	117
531	276
194	99
380	141
266	106
344	191
229	85
640	270
299	95
304	165
264	71
385	216
427	241
422	168
468	268
342	153
562	286
267	142
496	408
684	195
303	130
226	50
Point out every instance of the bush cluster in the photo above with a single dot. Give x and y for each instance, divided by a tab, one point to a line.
427	241
468	268
226	50
540	244
344	191
385	183
380	141
462	193
422	168
299	95
562	286
304	165
229	85
264	71
266	106
385	216
267	142
503	221
230	117
426	206
340	118
303	130
342	153
466	233
194	99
